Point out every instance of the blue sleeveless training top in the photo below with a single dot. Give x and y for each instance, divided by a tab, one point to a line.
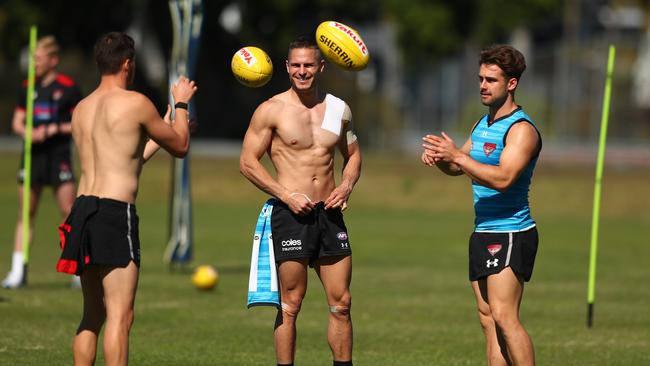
495	211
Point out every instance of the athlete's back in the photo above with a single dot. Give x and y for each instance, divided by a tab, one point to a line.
110	140
110	127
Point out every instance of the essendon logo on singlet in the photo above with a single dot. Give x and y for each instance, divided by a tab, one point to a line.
246	56
493	249
488	148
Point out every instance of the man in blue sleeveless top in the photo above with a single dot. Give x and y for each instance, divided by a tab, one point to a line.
499	158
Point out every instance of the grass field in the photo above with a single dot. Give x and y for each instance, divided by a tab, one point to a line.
413	305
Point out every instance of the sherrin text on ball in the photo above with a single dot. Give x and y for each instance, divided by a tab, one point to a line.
342	45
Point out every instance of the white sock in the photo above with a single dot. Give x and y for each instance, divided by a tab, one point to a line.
17	264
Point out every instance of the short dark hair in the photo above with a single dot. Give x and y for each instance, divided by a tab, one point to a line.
303	42
508	58
111	50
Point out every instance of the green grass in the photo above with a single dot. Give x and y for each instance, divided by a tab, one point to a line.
413	305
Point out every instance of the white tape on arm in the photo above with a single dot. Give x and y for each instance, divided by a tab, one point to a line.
350	137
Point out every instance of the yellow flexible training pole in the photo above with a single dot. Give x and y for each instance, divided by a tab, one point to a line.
27	166
591	292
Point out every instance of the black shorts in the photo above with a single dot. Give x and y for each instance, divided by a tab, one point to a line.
321	233
51	166
99	231
489	253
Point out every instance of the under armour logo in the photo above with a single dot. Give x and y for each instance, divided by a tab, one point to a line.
492	263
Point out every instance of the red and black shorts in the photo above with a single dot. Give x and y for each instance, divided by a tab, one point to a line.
99	231
321	233
490	253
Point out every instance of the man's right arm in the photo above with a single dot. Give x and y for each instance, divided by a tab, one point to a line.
256	141
173	138
151	147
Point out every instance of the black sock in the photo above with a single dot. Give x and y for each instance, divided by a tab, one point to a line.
342	363
285	364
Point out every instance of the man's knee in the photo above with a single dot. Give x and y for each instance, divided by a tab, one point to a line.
130	318
342	305
292	308
503	317
127	318
485	316
122	319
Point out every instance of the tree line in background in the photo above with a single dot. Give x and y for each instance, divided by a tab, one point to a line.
426	31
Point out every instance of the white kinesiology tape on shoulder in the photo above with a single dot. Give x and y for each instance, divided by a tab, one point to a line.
334	108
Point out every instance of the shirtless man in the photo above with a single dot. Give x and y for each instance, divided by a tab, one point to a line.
99	239
300	129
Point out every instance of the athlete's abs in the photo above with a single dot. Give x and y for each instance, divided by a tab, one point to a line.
303	155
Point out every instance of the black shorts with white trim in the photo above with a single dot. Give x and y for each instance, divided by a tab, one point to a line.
490	253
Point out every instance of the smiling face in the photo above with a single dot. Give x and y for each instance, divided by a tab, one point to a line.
494	85
304	66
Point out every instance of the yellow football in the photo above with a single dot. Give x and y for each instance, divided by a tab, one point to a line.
342	45
205	277
252	66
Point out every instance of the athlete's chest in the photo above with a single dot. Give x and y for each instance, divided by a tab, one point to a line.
488	142
303	128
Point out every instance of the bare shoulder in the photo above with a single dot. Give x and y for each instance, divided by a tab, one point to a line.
136	105
278	101
268	109
83	104
134	99
274	103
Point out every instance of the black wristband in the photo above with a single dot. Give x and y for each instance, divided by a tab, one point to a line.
181	105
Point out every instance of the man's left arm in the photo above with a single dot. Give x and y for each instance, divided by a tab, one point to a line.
521	146
349	147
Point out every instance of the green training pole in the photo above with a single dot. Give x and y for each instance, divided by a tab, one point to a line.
29	121
591	292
